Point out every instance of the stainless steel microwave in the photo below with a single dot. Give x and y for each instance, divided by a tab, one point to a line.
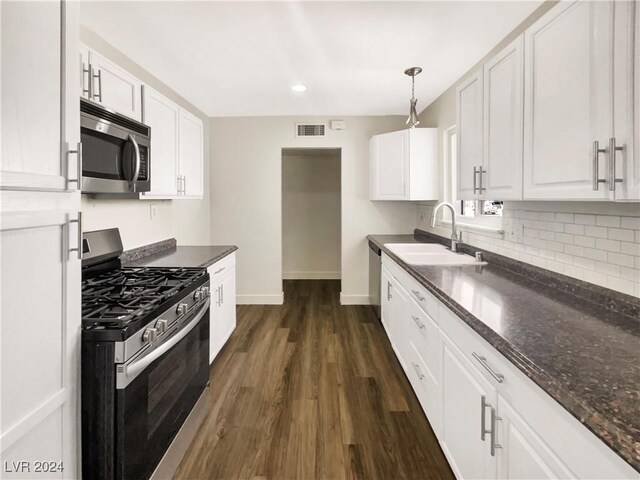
115	152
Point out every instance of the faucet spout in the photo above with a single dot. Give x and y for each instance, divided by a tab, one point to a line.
454	232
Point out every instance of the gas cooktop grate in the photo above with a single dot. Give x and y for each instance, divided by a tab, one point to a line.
115	299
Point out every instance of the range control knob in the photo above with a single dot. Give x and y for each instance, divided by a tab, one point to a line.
182	308
161	325
198	295
205	292
150	335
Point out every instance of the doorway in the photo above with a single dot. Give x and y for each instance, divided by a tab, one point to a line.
311	214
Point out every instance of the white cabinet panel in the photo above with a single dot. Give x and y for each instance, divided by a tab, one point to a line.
469	114
503	118
191	154
115	88
568	101
223	304
391	155
31	85
463	388
161	114
523	454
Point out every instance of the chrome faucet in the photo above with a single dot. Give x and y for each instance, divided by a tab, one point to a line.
454	233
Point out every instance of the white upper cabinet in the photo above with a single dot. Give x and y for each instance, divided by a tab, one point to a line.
161	114
626	97
177	149
31	134
111	86
404	165
191	147
568	102
503	118
469	114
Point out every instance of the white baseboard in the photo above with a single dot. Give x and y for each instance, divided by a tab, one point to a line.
260	299
354	299
311	276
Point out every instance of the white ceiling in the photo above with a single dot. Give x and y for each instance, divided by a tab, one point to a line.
241	58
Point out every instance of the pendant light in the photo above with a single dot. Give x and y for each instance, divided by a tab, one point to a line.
412	121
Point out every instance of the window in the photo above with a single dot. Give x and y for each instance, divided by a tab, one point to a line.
476	211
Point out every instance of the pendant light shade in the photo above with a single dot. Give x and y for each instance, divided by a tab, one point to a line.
412	120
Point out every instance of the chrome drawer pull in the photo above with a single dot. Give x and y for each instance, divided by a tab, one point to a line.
596	154
418	322
612	164
494	445
483	416
417	294
416	367
483	361
219	270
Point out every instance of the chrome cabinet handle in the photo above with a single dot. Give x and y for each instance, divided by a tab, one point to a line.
475	181
389	296
612	164
483	361
417	294
79	236
179	182
99	77
596	154
480	172
78	179
88	72
483	417
418	322
416	367
494	444
184	184
222	294
219	270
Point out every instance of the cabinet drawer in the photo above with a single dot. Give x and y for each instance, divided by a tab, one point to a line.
423	297
221	268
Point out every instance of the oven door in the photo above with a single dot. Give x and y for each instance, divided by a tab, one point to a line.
160	390
114	160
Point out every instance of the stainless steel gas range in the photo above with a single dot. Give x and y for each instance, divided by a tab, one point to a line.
145	368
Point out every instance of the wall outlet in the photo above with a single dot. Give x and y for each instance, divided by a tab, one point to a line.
153	211
516	231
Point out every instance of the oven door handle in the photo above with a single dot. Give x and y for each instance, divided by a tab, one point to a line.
131	371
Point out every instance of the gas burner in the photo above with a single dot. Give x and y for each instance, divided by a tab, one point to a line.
116	298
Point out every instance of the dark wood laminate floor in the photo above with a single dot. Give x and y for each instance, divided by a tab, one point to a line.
312	389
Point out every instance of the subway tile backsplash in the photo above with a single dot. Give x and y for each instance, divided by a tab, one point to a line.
600	249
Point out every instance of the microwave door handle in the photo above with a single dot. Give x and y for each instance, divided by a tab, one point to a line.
136	148
131	371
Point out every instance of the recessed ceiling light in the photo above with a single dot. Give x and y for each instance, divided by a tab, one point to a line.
299	88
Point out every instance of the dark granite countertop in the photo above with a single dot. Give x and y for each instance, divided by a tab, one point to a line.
579	343
183	256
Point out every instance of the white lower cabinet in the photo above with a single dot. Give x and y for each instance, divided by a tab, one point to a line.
490	419
223	303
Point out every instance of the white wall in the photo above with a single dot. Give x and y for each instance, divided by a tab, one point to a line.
186	220
246	195
598	242
311	215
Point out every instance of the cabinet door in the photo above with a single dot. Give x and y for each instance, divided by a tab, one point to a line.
626	120
39	337
469	120
191	147
568	101
390	160
503	118
394	301
523	454
115	88
32	67
463	388
223	313
161	114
